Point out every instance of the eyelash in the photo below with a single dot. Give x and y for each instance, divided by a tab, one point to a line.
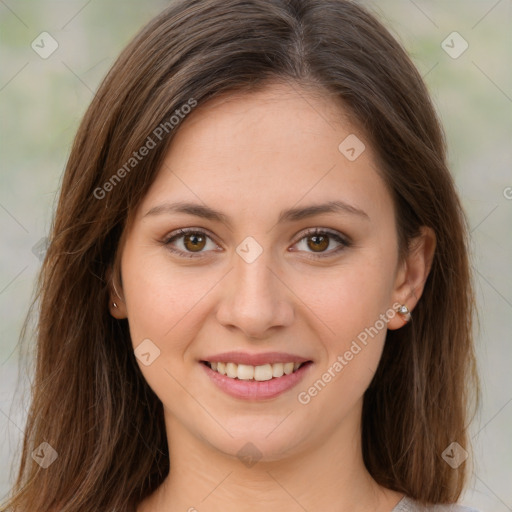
309	233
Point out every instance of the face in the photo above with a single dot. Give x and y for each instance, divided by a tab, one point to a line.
261	273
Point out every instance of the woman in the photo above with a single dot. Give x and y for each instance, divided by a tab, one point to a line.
257	291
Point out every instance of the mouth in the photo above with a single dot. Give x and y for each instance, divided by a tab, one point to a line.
260	373
255	383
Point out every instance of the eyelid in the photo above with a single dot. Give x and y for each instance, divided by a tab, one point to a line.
185	231
323	231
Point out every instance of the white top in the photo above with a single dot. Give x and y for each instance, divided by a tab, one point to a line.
409	505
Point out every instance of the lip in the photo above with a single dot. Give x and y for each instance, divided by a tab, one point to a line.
255	359
257	390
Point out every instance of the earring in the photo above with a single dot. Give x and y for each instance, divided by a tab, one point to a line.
404	311
114	302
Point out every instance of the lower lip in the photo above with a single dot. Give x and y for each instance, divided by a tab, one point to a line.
257	390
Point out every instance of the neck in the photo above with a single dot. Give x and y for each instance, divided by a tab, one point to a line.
329	475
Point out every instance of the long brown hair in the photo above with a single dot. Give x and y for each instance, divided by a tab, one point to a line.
90	402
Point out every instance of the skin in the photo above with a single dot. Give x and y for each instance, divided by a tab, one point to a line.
251	156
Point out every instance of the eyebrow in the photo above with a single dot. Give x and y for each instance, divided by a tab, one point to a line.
290	215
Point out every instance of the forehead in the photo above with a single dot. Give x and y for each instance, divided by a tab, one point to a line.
269	150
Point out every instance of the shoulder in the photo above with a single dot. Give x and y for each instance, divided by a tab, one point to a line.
407	504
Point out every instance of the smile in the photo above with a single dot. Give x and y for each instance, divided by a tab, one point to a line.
261	382
258	373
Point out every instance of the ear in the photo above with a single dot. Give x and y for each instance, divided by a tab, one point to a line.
412	274
115	297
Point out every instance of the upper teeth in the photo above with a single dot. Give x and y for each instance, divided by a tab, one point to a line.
248	372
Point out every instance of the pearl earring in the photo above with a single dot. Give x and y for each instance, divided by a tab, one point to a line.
404	311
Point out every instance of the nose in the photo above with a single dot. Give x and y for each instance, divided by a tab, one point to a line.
255	300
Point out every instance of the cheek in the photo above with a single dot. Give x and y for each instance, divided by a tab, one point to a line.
352	303
349	298
351	306
159	300
163	305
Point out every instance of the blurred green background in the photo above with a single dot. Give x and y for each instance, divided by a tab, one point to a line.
43	99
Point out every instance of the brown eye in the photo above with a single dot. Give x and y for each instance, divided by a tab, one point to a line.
194	242
190	243
318	243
